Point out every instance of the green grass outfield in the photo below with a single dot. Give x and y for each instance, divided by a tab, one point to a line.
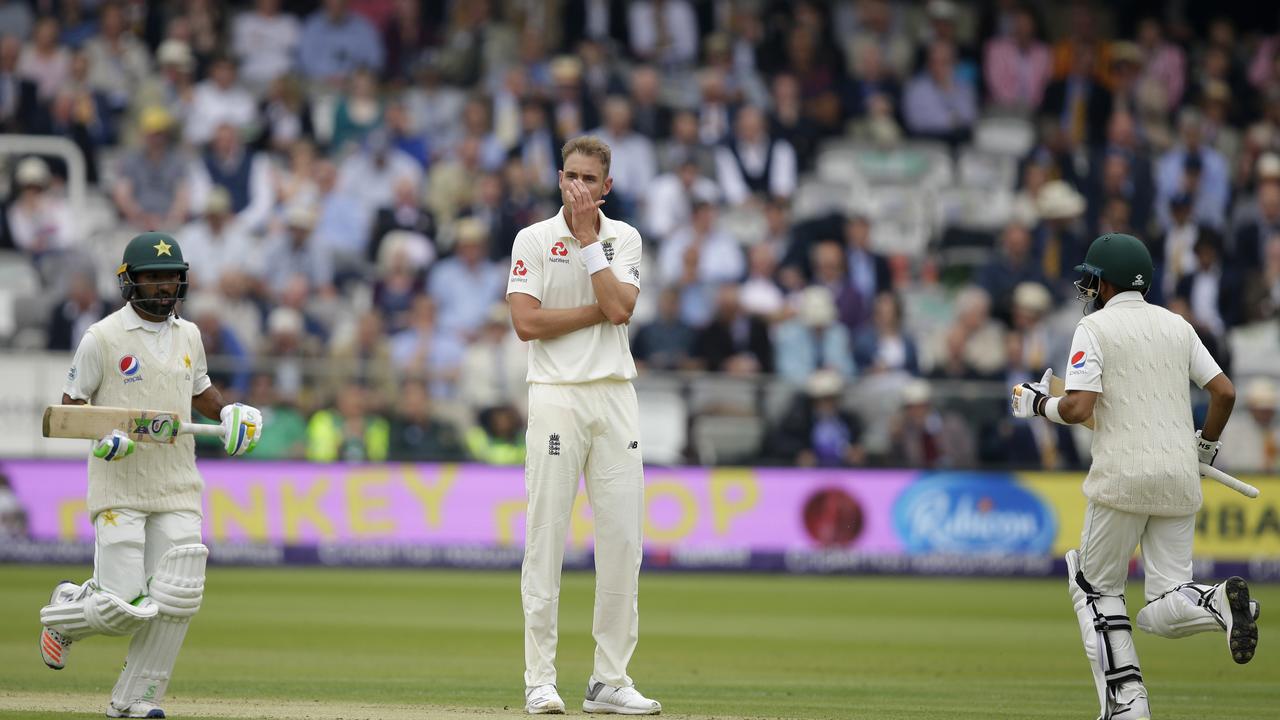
319	643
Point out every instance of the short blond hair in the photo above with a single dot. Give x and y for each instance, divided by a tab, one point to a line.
591	146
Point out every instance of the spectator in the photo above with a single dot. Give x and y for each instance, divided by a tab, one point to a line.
467	283
295	184
1058	242
816	432
671	196
406	37
266	42
495	364
499	221
1253	445
40	222
761	294
868	270
1175	254
1120	175
973	346
82	307
402	262
17	20
404	213
219	101
698	257
288	437
1078	102
667	342
229	361
173	88
884	347
497	438
292	348
118	62
297	251
1164	64
215	244
1252	234
1012	266
572	110
13	518
44	61
342	226
1262	290
286	115
651	117
1032	344
403	136
151	189
365	355
788	121
370	176
19	101
335	42
350	432
1218	349
425	348
877	28
685	143
359	112
1196	169
715	109
245	176
939	103
477	124
536	146
734	343
241	307
451	182
1017	66
752	163
663	32
921	436
813	340
1212	289
416	434
634	164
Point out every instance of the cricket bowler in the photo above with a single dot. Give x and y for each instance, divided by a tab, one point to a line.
573	285
144	498
1130	368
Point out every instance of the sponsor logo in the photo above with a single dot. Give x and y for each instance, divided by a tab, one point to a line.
71	374
1077	359
973	513
553	444
559	253
832	518
635	273
129	368
1137	280
519	270
635	445
161	426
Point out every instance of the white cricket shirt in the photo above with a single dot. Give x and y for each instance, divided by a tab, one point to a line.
546	263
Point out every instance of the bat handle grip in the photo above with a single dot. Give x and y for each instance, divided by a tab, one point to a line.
191	428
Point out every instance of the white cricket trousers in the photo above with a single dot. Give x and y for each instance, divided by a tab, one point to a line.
129	543
1108	541
591	428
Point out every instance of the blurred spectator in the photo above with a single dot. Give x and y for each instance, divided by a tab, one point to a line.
403	213
478	125
19	103
651	116
696	258
663	32
1120	174
1018	443
285	114
451	182
335	42
81	307
788	122
1196	169
231	369
1253	233
151	190
1262	290
572	111
77	26
406	37
359	112
296	251
1058	240
667	342
341	223
402	261
241	308
884	346
1218	349
245	176
760	293
295	183
973	346
1129	94
715	109
1082	38
1033	344
1212	289
877	28
753	163
364	354
403	135
218	102
499	221
217	243
266	42
816	431
371	174
744	83
174	87
938	102
1253	444
416	434
1078	103
435	108
201	23
1164	64
498	437
1013	265
43	61
1175	254
40	221
922	436
811	54
671	196
13	517
831	270
734	343
118	61
685	143
425	348
1017	66
17	20
536	146
465	284
634	164
288	437
350	432
1219	134
495	364
813	339
868	270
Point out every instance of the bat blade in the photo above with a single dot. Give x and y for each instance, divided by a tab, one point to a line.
91	422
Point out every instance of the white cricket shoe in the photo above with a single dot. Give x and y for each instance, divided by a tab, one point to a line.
543	700
1239	618
611	699
1135	709
139	709
54	646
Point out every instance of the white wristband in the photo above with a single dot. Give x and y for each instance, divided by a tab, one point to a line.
593	256
1051	411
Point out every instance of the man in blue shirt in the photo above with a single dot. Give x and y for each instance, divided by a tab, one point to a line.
336	41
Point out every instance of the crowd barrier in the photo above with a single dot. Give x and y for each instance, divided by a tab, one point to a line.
698	518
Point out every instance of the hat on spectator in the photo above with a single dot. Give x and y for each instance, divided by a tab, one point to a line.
817	306
1032	297
219	201
284	321
300	216
1217	91
823	383
155	119
1125	51
566	68
1059	201
916	392
470	231
202	305
941	10
1268	166
32	171
1261	394
175	52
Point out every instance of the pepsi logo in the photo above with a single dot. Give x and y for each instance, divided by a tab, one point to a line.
1077	359
129	365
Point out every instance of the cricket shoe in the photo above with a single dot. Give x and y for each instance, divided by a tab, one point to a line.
611	699
543	700
139	709
1238	616
54	646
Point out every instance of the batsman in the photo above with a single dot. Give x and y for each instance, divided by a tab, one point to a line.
144	499
1130	369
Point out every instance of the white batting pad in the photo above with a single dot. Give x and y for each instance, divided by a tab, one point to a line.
1184	610
176	589
1108	640
97	613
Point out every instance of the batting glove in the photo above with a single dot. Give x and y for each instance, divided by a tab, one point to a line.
1028	398
115	446
241	428
1207	449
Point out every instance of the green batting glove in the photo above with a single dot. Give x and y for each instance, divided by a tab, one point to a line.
115	446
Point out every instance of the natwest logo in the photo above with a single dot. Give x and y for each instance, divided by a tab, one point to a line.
559	250
519	270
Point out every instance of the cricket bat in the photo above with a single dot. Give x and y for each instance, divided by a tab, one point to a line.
91	422
1058	388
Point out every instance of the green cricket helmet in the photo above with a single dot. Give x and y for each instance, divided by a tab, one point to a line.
150	251
1121	259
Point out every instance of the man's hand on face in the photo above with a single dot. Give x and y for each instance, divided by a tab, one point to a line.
582	211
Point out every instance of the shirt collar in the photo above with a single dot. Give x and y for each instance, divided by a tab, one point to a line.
1126	297
133	321
607	229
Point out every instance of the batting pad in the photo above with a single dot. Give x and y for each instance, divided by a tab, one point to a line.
97	613
1108	640
1184	610
176	589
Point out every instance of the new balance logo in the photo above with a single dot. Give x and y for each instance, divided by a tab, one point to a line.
634	445
553	444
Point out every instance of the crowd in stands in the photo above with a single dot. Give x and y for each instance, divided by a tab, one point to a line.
346	179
